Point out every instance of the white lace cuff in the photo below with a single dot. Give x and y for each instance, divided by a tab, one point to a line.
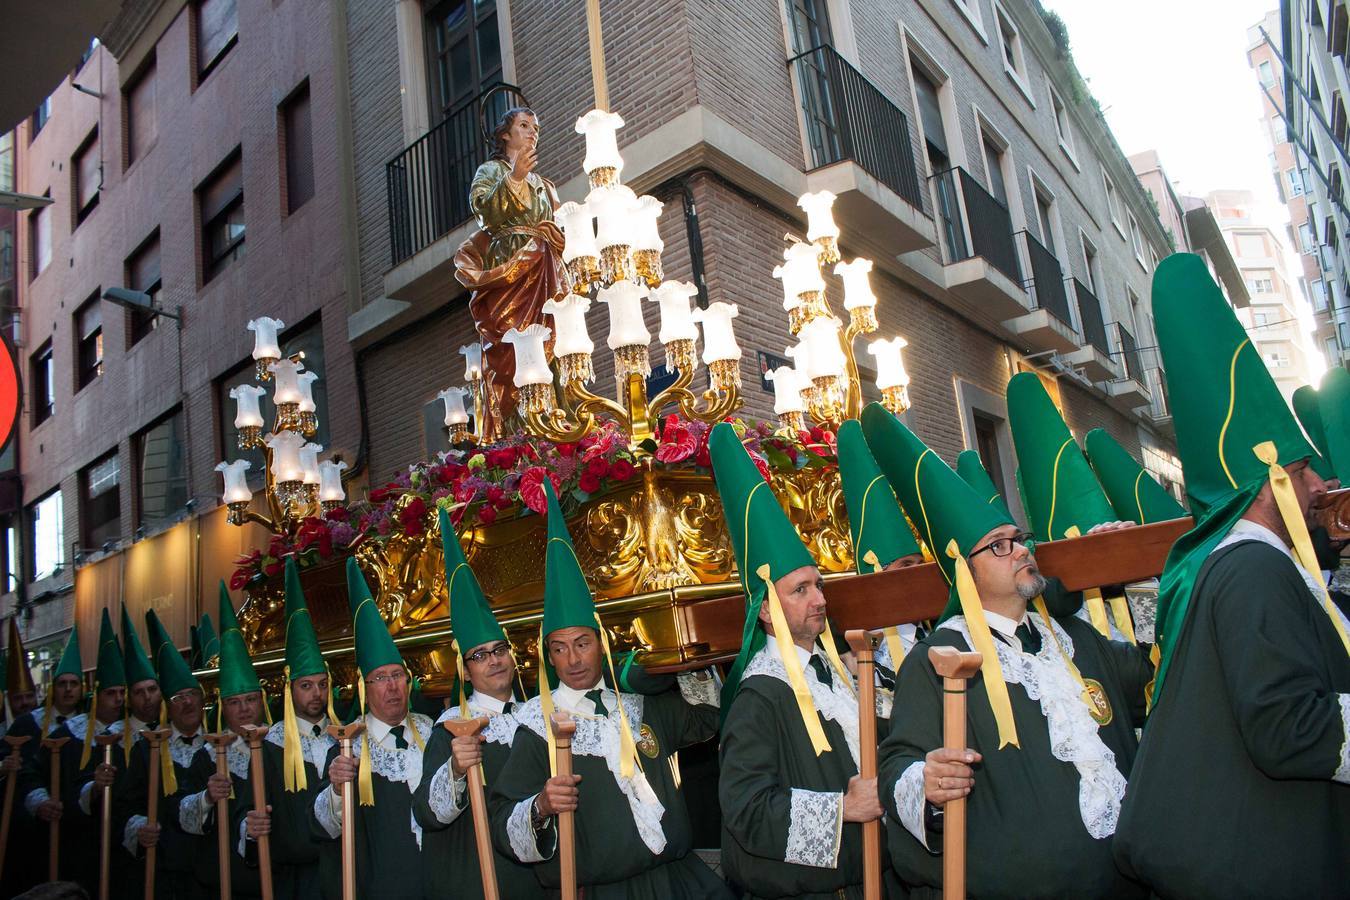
131	834
446	794
35	798
328	811
815	826
193	811
1342	773
243	838
87	799
909	802
699	691
524	839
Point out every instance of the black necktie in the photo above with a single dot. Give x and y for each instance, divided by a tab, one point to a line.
822	671
1030	637
317	731
508	707
186	739
60	720
399	742
594	696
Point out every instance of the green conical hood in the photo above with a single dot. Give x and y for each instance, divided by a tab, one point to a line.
374	646
111	671
471	618
1230	406
174	674
135	661
70	658
1334	406
1061	490
760	535
1309	414
972	471
206	636
1135	495
875	521
567	596
302	644
236	669
940	503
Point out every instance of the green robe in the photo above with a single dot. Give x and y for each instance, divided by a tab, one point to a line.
197	817
389	855
783	833
452	850
1028	814
614	858
1240	788
174	874
497	207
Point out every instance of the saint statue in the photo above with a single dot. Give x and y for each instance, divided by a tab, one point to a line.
513	264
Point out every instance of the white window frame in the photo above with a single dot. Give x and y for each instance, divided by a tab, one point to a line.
914	54
1038	186
970	11
48	561
985	128
1295	178
1019	59
1265	73
1137	242
1113	204
1094	279
1063	129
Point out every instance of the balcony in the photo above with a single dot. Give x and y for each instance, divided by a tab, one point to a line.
1338	29
428	182
1130	390
859	148
1090	315
978	249
1049	326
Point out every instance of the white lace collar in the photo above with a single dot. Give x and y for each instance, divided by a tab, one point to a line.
1074	735
77	725
501	726
182	753
599	737
277	735
403	766
835	702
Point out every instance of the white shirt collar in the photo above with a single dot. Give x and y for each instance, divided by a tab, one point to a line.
306	727
576	701
136	726
487	703
1261	533
379	730
1004	625
200	733
803	656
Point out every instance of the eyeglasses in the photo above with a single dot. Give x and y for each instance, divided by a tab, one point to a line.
481	655
1003	546
388	678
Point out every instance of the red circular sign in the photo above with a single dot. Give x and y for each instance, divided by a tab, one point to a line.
9	393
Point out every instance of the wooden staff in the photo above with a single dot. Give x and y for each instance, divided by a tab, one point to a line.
14	744
222	742
956	668
486	864
345	734
254	735
563	728
864	645
106	741
54	746
154	738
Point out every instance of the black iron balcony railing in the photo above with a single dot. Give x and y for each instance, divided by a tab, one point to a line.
1090	314
428	182
1047	281
848	117
1132	363
963	204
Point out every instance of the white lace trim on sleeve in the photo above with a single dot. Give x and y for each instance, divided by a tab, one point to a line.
815	825
1343	770
243	838
131	834
328	811
698	691
87	798
445	795
34	799
524	844
909	801
193	811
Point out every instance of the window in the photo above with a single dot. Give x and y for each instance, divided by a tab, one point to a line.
89	341
1260	319
161	471
86	168
11	556
40	239
216	30
40	117
1277	359
140	124
7	161
1044	219
142	274
1112	202
1261	285
1266	73
986	444
1090	264
48	533
221	200
1251	245
993	163
1332	351
930	117
1319	294
1296	185
43	379
100	502
297	149
1307	241
1010	44
1062	128
464	51
1136	239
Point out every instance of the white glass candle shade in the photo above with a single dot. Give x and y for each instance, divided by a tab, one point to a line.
287	385
531	358
800	272
626	326
612	207
235	475
578	230
890	362
455	413
857	283
602	144
473	361
265	344
286	465
819	215
330	482
309	462
824	354
247	414
677	321
801	357
305	384
719	337
642	217
569	324
787	391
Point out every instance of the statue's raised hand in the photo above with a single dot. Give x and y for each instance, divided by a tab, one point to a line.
523	164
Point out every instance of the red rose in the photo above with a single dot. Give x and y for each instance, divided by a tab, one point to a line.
464	492
486	514
532	487
589	482
410	517
597	467
622	470
495	494
567	450
337	514
501	458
